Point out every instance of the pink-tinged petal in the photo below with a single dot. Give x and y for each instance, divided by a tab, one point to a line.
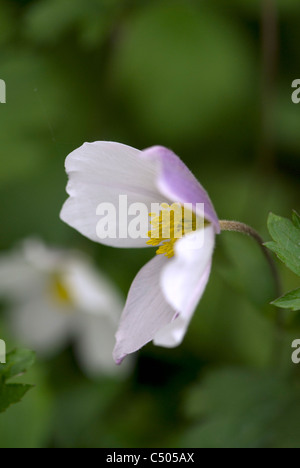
99	173
146	310
183	281
173	334
177	183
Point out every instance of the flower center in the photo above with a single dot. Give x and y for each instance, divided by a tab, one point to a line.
59	291
172	223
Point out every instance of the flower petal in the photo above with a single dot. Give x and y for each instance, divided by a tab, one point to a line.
18	280
89	289
99	173
99	308
146	310
183	281
178	184
173	334
41	326
94	344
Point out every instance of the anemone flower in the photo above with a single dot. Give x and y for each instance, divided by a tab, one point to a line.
58	296
166	291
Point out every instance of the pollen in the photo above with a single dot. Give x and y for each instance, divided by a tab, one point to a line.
59	291
173	222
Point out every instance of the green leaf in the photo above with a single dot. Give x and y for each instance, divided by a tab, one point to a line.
11	394
289	301
286	245
296	219
17	362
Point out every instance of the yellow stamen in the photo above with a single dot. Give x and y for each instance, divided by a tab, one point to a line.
173	222
59	291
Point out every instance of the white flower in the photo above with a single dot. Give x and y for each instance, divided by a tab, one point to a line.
166	291
58	297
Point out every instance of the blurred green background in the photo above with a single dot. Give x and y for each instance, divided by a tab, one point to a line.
188	75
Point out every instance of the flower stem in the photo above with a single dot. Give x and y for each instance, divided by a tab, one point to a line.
236	226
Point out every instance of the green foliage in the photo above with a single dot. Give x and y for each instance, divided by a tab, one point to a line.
184	74
240	408
18	362
51	20
6	22
291	300
296	219
286	245
159	69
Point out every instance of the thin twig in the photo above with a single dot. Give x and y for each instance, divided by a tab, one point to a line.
236	226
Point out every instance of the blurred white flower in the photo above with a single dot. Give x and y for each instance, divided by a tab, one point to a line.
58	296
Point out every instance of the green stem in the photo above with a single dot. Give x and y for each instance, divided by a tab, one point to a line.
236	226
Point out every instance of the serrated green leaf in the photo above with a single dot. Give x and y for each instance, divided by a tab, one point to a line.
17	362
286	243
289	301
296	219
11	394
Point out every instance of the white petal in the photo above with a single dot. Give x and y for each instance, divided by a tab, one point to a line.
146	310
99	308
39	256
24	272
89	289
40	326
98	173
183	272
183	281
94	345
173	334
17	278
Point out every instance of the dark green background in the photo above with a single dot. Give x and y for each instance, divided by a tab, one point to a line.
187	75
